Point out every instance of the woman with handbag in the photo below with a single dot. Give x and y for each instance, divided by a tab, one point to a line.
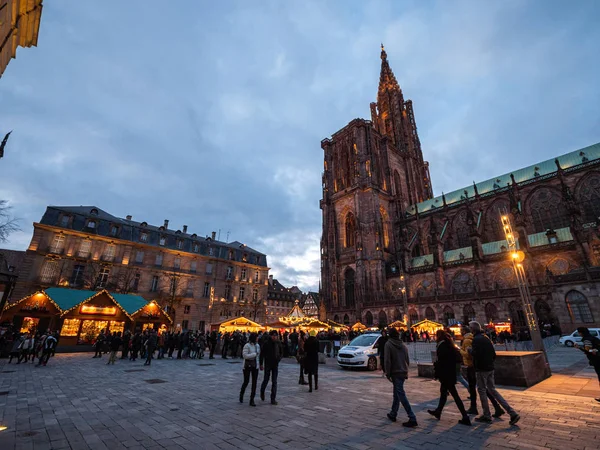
445	373
250	353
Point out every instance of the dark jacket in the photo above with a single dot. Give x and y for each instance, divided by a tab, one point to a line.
151	342
445	366
271	353
483	353
592	343
396	358
115	343
311	351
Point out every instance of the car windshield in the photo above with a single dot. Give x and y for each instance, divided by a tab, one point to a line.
366	340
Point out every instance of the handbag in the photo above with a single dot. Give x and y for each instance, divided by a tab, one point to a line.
250	364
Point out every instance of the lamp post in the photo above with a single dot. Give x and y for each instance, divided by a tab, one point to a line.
517	257
405	302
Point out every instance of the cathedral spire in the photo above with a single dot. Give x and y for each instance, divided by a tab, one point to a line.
387	80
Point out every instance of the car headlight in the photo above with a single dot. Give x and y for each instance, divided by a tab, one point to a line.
360	353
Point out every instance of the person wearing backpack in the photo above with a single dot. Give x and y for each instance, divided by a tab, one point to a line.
445	372
47	348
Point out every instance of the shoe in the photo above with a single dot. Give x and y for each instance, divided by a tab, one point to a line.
252	403
392	418
514	419
483	419
465	421
434	413
309	389
262	396
273	402
241	398
472	411
410	424
498	413
316	387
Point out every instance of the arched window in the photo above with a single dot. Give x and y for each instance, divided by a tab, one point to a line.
397	184
336	318
349	287
350	231
493	224
424	288
448	314
382	319
589	198
468	313
461	230
517	315
397	315
462	283
369	319
430	314
547	210
346	319
491	313
385	227
579	308
544	313
413	316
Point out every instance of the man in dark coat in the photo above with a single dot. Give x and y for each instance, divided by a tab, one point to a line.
484	355
270	355
396	370
99	345
590	345
126	338
212	342
381	350
136	344
150	346
226	340
311	360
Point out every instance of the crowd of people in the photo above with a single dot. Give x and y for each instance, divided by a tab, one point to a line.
30	346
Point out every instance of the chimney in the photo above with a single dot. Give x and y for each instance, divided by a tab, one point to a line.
166	223
128	217
214	235
271	279
185	228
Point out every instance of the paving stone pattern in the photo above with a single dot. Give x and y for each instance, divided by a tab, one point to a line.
77	402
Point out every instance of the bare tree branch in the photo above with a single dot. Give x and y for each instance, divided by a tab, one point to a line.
8	224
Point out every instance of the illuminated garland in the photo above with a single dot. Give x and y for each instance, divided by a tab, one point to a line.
159	308
8	306
103	291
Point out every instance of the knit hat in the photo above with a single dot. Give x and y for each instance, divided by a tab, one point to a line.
313	333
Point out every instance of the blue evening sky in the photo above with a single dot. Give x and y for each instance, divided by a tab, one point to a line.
211	113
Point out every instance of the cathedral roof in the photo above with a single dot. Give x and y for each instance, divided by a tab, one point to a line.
540	170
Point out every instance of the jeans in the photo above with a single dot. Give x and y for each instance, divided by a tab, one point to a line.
472	379
446	388
485	385
400	397
247	373
113	357
270	373
150	353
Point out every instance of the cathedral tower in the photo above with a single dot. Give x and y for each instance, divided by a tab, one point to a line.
373	170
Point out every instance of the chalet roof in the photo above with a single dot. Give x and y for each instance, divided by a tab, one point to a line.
296	312
535	171
10	261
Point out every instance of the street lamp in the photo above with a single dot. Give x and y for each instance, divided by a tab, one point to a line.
517	257
405	302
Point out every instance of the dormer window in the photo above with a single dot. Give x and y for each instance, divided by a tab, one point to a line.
231	254
114	230
144	224
196	248
144	237
245	257
91	224
162	240
211	251
180	244
161	228
64	221
94	212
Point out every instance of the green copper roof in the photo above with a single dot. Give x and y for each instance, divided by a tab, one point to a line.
539	239
130	303
67	298
567	161
455	255
421	261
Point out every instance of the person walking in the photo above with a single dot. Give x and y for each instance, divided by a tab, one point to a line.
115	344
25	348
381	351
150	346
300	356
250	353
445	372
48	348
471	378
270	355
226	340
590	345
212	342
126	339
136	344
396	370
311	360
16	346
99	345
484	355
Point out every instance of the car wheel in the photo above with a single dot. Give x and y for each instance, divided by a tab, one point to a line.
372	363
569	343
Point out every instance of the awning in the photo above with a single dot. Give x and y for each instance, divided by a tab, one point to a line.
358	326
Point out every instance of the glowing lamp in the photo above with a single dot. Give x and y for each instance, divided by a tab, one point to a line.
518	256
3	427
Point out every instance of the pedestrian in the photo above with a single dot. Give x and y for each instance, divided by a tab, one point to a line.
590	345
311	360
445	373
136	344
396	370
48	348
201	345
212	342
25	348
471	378
115	344
225	349
126	339
300	355
150	346
484	355
16	347
381	351
270	355
99	345
250	353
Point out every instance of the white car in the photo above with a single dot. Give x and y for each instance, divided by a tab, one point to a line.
575	338
361	352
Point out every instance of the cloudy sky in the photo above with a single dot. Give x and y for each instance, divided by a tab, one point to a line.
211	113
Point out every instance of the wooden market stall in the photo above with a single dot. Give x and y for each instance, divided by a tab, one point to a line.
337	327
427	325
34	312
280	326
398	324
358	326
239	323
146	315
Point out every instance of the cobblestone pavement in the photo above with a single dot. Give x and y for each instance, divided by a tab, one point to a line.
80	403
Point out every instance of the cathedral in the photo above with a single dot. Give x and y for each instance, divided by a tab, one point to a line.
387	241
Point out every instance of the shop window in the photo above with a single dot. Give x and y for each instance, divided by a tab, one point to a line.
29	324
118	327
90	329
70	327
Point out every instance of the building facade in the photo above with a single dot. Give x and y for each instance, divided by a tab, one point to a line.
280	300
198	280
19	27
385	235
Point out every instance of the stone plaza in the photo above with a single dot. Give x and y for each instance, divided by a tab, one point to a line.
77	402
